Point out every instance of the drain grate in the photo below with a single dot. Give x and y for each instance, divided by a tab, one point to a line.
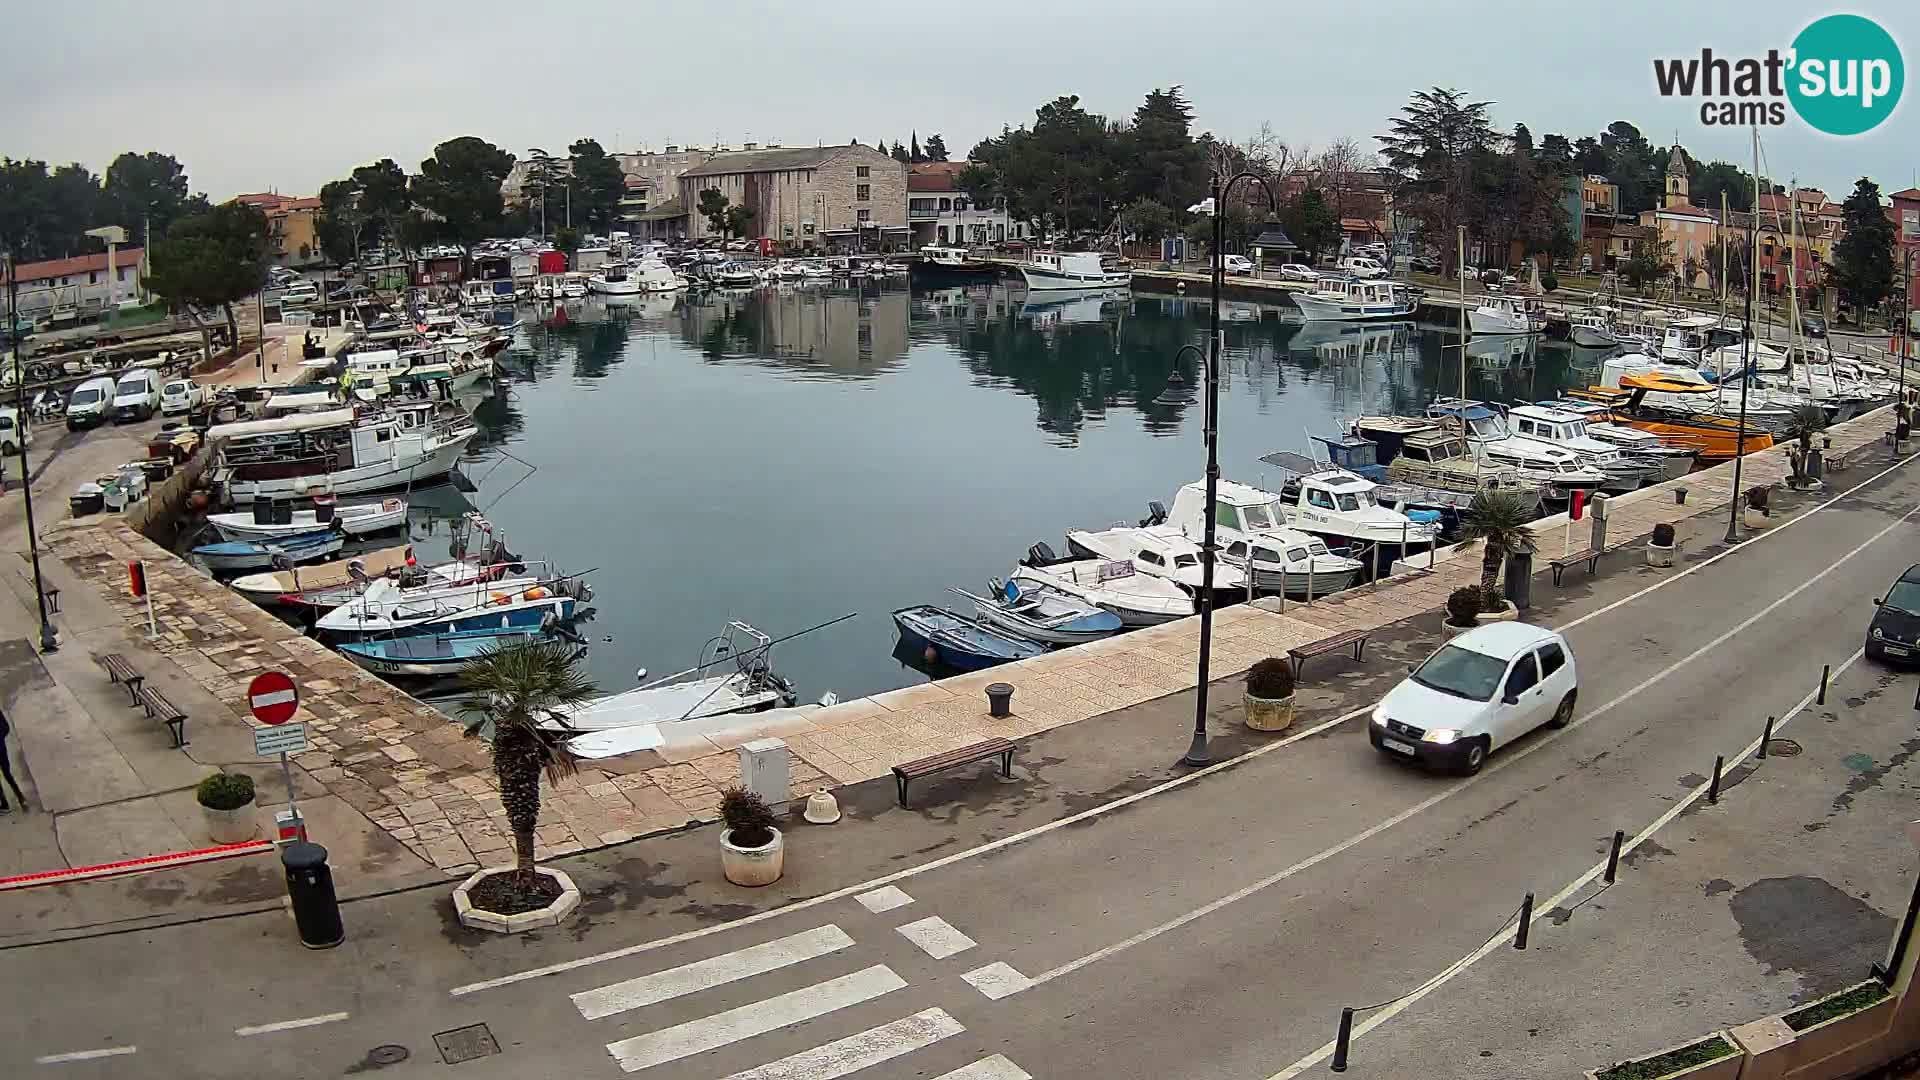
465	1044
1782	748
390	1054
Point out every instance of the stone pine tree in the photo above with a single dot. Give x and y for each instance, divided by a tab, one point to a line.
936	147
713	207
211	260
1863	259
516	693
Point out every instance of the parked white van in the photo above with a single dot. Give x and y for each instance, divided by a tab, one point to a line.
1361	267
137	395
89	403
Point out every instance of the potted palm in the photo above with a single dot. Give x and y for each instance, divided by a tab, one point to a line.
1268	701
226	801
1756	514
1660	545
1802	425
520	698
752	851
1498	517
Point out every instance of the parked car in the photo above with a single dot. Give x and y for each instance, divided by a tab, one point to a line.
182	395
1236	264
1361	267
13	434
1814	325
1477	693
137	395
1894	633
1298	272
89	403
303	292
1423	265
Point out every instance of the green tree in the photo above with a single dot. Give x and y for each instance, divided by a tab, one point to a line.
1863	259
914	155
1161	160
149	190
936	147
900	153
1633	166
1706	183
1147	220
1498	517
517	693
1646	262
1311	223
713	207
567	239
460	185
384	199
341	222
598	185
211	259
739	220
1431	148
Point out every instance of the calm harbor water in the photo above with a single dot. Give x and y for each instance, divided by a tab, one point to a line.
787	456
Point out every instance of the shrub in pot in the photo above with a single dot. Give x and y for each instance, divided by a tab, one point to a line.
1494	606
1268	702
226	801
1660	546
1463	606
1756	514
752	851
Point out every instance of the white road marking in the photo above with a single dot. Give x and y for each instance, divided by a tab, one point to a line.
84	1055
289	1025
936	937
856	1052
1073	819
997	980
713	971
996	1067
1542	910
886	899
722	1029
1505	761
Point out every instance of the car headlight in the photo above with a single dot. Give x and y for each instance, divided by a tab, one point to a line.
1877	635
1379	716
1441	736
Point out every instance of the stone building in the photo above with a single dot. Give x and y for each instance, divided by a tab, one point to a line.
827	198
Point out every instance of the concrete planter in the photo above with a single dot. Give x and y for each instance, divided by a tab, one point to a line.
1454	631
231	826
1660	556
1721	1068
1268	714
1507	613
1755	519
753	867
477	919
1843	1044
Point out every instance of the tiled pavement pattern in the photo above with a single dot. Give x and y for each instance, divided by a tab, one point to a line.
411	770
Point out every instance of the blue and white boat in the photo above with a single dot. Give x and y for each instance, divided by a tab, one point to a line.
251	555
431	655
1039	612
387	608
958	642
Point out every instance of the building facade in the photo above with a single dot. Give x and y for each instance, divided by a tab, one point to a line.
1686	231
1905	215
827	198
82	285
292	239
941	213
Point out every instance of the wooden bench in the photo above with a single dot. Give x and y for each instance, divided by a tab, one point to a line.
953	759
159	708
1302	653
1585	555
122	673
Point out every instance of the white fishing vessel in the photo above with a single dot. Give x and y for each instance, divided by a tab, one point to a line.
1139	599
1505	315
615	279
1569	430
1416	450
342	451
1159	550
353	519
1352	299
1055	270
1674	461
1594	328
1558	471
1259	525
389	606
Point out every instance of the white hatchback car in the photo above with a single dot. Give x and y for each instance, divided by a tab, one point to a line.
1480	691
181	395
1298	272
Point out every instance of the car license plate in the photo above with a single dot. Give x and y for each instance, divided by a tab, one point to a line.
1895	650
1397	746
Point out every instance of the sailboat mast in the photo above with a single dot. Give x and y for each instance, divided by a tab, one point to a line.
1461	247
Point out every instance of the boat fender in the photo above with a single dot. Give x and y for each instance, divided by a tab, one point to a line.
535	593
502	599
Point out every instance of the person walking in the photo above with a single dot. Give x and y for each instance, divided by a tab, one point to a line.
6	769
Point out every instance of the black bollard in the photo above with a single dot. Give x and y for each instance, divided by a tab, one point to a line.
1713	789
1613	860
1526	921
1340	1041
316	911
1826	672
1766	736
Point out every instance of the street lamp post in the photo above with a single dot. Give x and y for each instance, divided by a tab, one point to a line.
1218	192
1746	349
48	642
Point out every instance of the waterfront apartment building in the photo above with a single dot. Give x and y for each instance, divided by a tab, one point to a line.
940	212
827	198
292	237
81	286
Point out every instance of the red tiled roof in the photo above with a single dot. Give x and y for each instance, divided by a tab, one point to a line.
79	264
935	175
265	200
300	204
1912	193
1354	224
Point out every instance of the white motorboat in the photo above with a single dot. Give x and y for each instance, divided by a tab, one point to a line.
1159	550
1354	299
1674	461
1559	471
486	293
340	451
1768	405
353	519
1287	554
1043	613
1058	270
388	607
953	261
1504	315
644	717
1594	329
615	279
1139	599
1569	430
1417	451
735	276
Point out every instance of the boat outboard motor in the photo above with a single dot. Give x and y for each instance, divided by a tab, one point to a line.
1040	554
1156	514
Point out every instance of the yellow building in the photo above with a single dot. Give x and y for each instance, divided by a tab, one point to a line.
291	239
1685	230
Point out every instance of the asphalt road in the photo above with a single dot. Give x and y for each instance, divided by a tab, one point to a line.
1213	929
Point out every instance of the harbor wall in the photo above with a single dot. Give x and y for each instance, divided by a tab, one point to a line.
158	516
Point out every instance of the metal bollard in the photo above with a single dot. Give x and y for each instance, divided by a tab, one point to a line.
1613	860
1341	1040
1713	789
1526	921
1826	672
316	911
1766	736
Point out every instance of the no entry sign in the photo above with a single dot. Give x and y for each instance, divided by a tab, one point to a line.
272	697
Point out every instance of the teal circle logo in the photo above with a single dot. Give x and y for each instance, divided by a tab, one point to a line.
1847	74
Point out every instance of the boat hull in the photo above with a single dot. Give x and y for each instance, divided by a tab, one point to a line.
414	655
1039	280
366	478
241	526
1588	337
1488	324
242	555
951	651
1321	309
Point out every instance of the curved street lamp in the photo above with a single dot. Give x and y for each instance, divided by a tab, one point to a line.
1218	192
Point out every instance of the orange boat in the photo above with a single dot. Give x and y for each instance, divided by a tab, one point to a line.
1716	437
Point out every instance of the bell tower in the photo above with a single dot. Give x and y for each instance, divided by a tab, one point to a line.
1677	177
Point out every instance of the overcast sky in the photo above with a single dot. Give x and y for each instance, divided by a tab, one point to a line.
288	96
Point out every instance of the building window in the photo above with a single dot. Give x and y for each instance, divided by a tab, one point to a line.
93	277
865	215
862	170
862	192
946	205
960	206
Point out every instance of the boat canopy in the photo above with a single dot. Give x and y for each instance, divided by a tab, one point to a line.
282	424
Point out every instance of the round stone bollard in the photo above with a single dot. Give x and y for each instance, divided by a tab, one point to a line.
999	700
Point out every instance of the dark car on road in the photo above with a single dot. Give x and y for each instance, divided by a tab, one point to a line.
1894	633
1814	326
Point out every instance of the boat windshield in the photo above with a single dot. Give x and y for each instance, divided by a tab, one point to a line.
1318	547
1185	560
1490	427
1355	500
1256	517
1461	673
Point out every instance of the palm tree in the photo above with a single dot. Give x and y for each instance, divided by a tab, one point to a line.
514	689
1803	424
1498	516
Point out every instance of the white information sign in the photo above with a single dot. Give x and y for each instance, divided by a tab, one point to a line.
281	739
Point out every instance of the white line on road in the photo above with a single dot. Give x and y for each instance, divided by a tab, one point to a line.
1505	761
1084	815
997	980
714	971
996	1067
936	937
886	899
84	1055
289	1025
722	1029
1541	911
856	1052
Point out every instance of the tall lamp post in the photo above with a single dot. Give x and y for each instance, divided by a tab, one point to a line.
1218	192
1746	344
48	642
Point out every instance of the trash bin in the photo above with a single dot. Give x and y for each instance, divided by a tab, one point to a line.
1520	579
310	888
999	700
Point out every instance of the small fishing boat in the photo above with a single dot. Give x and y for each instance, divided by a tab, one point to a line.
1157	549
1674	461
388	607
354	519
1042	613
1139	599
435	655
1594	329
1505	315
1354	300
958	642
251	554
